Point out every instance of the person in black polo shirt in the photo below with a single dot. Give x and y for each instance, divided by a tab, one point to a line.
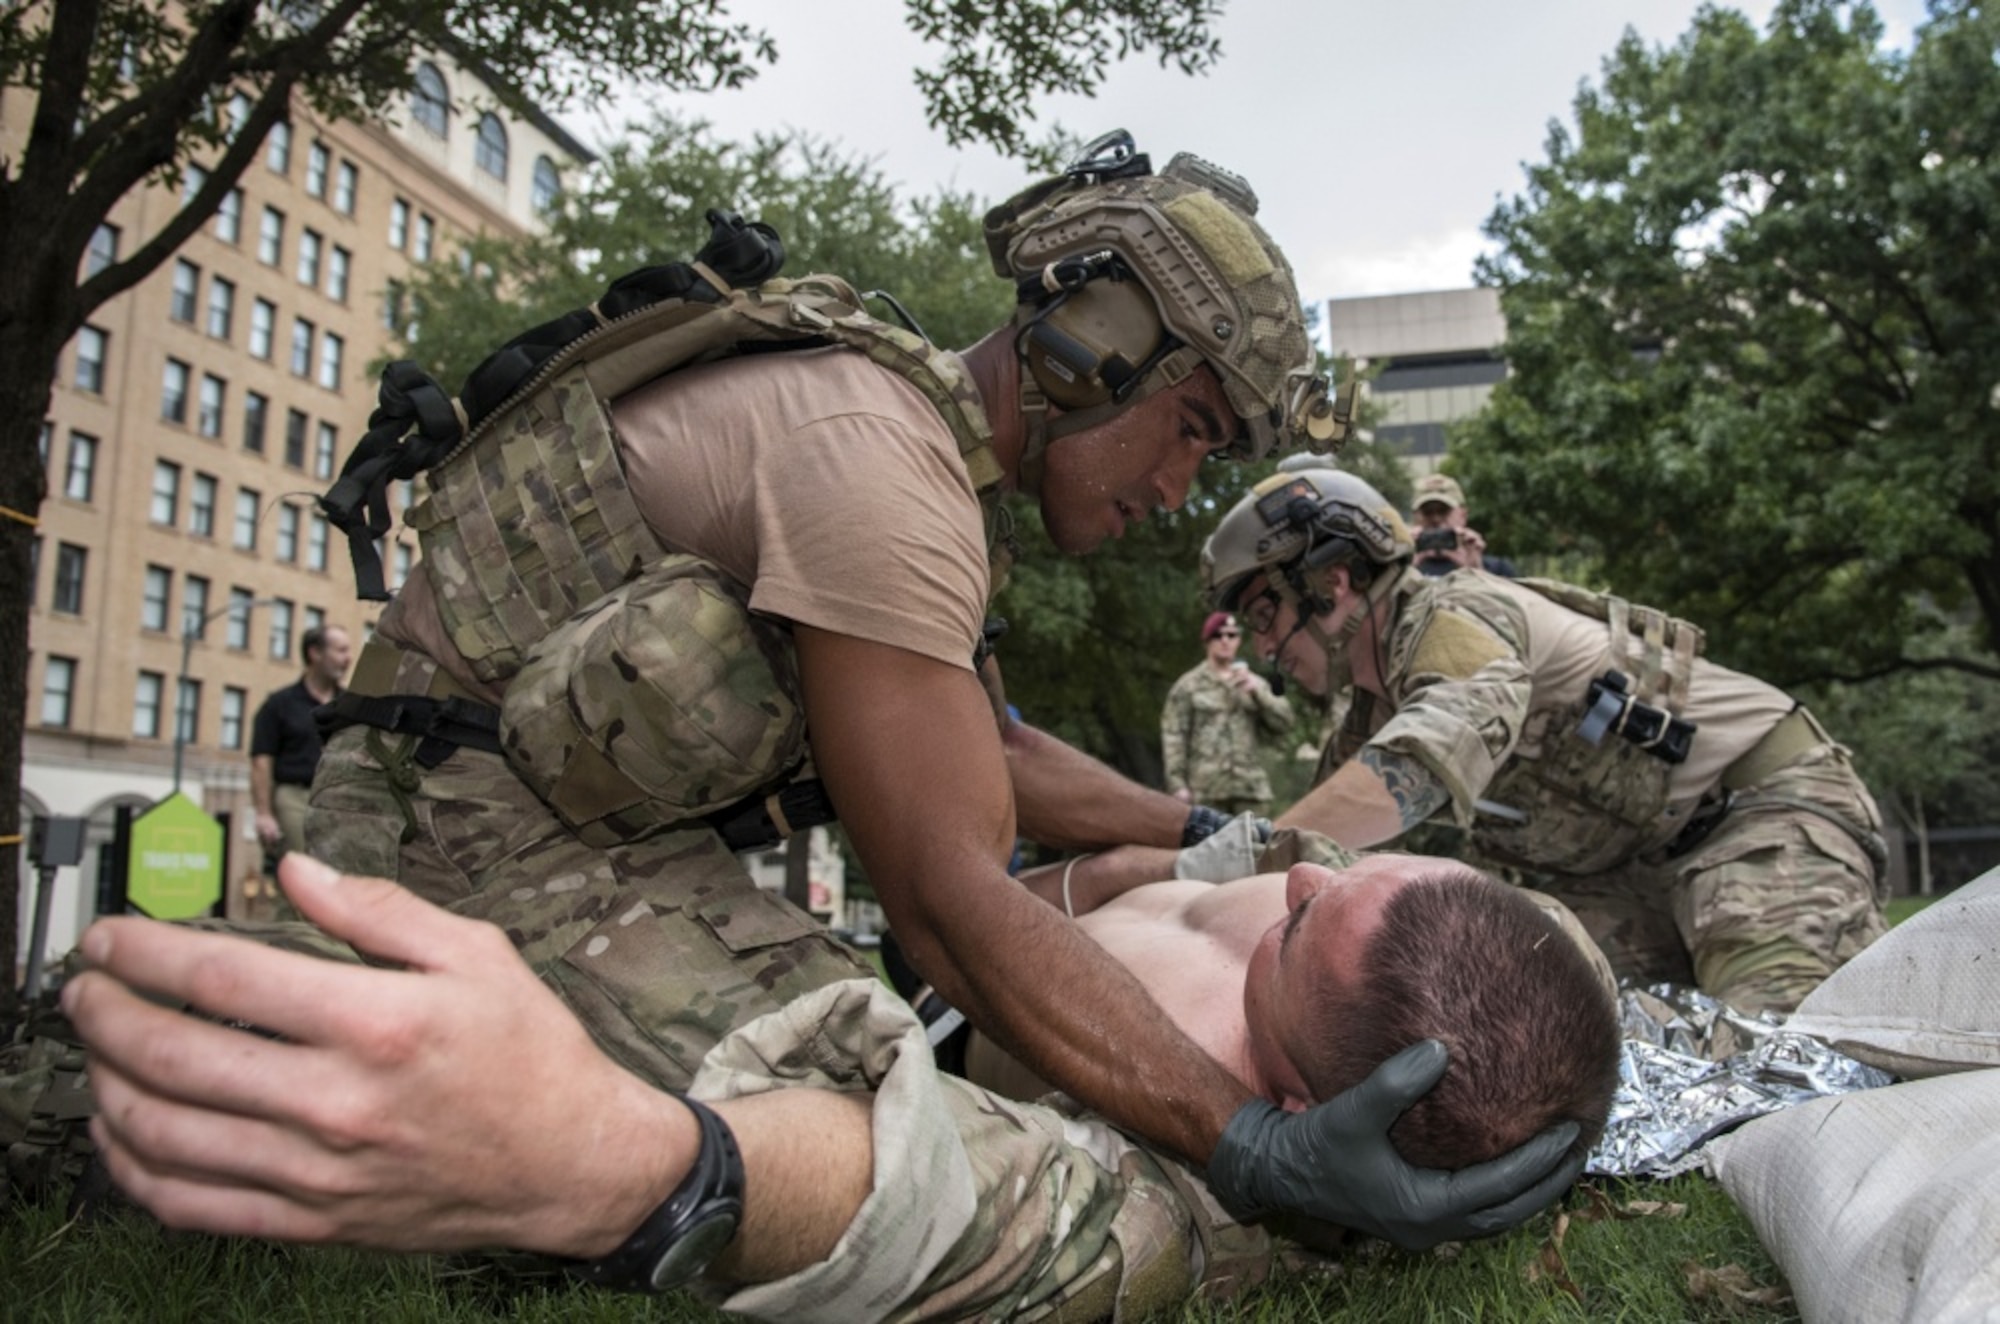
284	743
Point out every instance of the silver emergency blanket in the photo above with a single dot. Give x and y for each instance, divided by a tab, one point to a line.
1691	1069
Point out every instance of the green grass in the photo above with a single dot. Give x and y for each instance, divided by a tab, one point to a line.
1902	907
1633	1269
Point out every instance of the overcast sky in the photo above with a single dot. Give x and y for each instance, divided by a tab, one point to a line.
1379	136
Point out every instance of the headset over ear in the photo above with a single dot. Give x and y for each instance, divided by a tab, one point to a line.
1097	335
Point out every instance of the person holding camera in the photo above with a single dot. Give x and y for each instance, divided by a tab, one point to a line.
1445	542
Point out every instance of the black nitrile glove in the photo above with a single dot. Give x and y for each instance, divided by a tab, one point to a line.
1334	1162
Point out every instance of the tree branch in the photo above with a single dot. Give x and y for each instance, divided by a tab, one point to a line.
1966	665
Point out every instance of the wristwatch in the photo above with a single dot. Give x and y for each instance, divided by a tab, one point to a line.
690	1228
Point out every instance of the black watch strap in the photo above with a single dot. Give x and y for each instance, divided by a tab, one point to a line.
1202	823
689	1229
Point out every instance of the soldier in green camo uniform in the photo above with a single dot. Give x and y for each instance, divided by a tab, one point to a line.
1701	823
634	585
1210	727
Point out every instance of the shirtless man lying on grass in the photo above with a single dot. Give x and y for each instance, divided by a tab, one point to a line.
1301	983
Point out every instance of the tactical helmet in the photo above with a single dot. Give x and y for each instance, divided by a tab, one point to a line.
1295	522
1127	281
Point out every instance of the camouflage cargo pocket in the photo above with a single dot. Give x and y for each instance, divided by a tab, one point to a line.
352	820
659	986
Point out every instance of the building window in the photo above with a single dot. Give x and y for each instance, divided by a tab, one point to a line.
288	532
316	529
324	450
256	409
229	217
193	177
174	391
221	306
489	152
58	685
339	268
34	567
399	224
302	347
70	562
92	346
238	114
310	244
263	328
208	413
201	505
318	162
315	618
271	237
345	182
42	440
547	187
80	471
247	502
426	236
155	592
103	250
146	705
166	492
187	711
236	633
234	702
430	103
194	607
332	349
393	296
295	438
186	290
281	629
278	148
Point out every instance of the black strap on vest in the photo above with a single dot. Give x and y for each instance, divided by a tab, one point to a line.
442	724
415	425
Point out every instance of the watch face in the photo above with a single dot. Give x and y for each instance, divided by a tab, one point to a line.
691	1252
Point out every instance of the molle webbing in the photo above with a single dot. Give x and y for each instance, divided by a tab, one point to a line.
1656	650
531	519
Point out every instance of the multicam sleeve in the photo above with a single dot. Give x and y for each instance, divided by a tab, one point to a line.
981	1207
1460	690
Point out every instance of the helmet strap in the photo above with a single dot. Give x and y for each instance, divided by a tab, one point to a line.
1311	605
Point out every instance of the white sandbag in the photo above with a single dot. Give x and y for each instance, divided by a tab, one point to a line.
1925	998
1879	1206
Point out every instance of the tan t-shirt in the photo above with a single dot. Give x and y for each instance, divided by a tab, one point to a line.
825	483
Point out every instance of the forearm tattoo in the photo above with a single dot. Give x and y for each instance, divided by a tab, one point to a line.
1417	793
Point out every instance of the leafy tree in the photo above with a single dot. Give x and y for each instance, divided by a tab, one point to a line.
644	205
1750	326
127	92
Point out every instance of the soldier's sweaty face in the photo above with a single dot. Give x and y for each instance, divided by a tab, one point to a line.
1101	480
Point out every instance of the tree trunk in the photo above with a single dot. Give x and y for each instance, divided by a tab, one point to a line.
1925	883
28	352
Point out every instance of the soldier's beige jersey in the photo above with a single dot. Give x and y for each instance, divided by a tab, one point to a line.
1209	733
1486	679
823	482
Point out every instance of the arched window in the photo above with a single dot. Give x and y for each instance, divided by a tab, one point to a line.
490	152
548	186
430	103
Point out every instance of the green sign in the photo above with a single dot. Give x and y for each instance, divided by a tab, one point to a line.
176	860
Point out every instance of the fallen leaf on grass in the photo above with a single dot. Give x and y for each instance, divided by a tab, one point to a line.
1548	1263
1730	1286
1601	1209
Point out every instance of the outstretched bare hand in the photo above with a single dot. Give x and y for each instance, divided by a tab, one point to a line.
428	1107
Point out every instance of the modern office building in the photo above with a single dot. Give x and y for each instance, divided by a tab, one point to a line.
1439	354
179	556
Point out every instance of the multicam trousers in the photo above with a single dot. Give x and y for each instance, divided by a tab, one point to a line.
1777	898
665	949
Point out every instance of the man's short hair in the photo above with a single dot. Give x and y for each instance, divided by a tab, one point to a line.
1468	961
312	641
